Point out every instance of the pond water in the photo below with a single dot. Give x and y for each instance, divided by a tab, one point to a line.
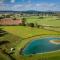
41	45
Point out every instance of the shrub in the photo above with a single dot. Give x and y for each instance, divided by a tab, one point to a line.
31	24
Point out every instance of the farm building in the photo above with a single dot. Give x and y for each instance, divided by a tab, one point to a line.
10	21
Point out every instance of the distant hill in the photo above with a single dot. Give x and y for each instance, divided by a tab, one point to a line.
31	12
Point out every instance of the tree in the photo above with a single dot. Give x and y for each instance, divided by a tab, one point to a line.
2	16
23	21
37	25
7	16
41	17
31	24
14	18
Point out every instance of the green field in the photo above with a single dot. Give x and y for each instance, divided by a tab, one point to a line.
46	20
19	36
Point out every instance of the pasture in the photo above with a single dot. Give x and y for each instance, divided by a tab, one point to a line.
19	36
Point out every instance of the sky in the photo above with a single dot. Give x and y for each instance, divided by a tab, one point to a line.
24	5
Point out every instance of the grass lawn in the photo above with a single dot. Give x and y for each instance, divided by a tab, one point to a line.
19	36
49	20
3	57
25	32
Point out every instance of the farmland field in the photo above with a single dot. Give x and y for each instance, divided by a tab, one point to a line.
46	20
19	36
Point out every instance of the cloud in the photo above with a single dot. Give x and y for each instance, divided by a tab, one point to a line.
1	1
17	7
4	7
37	6
47	6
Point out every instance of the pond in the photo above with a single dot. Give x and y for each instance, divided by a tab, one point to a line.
41	45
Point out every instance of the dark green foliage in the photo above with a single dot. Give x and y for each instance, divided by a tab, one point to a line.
14	18
41	17
23	21
31	24
7	16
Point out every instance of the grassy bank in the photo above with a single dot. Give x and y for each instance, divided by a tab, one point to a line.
19	36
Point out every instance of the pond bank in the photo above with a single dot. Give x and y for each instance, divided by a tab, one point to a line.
25	42
55	41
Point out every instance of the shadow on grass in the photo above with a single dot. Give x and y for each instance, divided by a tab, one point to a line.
4	42
9	55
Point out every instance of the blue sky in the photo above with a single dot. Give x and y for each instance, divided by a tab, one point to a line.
40	5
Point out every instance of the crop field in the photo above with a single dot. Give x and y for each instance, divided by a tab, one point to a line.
19	36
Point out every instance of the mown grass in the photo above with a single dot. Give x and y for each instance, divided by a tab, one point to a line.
50	20
3	57
19	36
25	32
